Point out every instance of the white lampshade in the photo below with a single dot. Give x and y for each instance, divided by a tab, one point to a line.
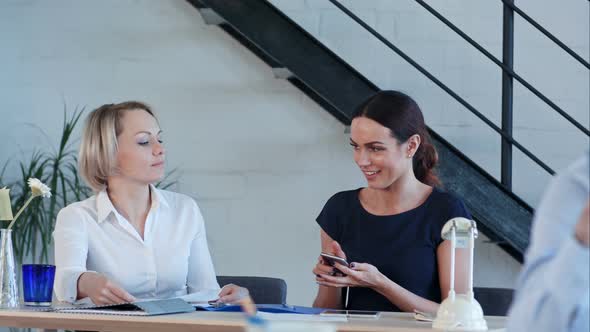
463	313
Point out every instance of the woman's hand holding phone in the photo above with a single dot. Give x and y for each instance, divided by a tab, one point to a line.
331	260
353	274
326	261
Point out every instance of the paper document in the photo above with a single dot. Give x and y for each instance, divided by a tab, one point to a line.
202	297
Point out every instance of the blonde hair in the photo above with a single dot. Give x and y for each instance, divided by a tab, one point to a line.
97	159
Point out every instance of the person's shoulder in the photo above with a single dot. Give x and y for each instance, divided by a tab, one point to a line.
441	196
448	204
78	210
80	206
577	172
181	210
336	212
346	194
175	198
343	197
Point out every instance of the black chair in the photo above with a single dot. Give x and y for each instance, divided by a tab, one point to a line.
494	301
263	290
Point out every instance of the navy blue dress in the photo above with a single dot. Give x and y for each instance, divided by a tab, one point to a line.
402	246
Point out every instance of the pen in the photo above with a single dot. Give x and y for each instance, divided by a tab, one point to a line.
346	298
249	308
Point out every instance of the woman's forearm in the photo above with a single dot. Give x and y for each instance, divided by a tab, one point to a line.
81	285
404	299
328	297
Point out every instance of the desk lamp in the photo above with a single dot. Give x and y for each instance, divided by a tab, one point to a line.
460	312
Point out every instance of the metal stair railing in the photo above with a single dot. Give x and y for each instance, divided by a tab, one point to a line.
507	69
544	31
330	81
506	132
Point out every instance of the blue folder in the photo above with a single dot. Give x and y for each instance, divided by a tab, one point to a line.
272	308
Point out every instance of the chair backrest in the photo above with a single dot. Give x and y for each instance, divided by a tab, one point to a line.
263	290
494	301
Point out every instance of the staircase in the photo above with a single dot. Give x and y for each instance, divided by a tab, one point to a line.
298	57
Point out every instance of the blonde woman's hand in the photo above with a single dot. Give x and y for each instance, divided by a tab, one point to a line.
101	290
231	293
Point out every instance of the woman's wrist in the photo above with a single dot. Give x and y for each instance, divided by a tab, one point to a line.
80	286
382	283
82	281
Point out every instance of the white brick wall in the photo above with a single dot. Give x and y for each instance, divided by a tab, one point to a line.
260	157
464	69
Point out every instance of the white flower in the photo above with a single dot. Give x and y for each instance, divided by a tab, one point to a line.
38	188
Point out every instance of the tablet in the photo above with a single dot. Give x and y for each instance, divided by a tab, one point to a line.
351	313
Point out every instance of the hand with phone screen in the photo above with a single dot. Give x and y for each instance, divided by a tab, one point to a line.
327	261
331	260
333	270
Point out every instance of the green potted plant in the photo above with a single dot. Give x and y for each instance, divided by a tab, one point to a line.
58	169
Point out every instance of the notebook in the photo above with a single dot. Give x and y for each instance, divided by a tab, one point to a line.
141	308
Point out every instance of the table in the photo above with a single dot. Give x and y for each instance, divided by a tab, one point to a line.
200	321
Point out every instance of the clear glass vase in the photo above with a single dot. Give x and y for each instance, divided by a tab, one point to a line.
8	285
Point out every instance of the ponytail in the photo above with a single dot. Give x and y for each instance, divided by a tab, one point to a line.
424	162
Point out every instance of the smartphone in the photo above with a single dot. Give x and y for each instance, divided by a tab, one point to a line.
331	260
351	313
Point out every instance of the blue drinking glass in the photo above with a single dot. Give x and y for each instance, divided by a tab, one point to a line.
38	284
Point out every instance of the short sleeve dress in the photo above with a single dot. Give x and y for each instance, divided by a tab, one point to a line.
402	246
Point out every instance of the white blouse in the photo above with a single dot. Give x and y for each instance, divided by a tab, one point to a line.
171	260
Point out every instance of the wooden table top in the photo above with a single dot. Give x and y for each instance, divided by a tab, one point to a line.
200	321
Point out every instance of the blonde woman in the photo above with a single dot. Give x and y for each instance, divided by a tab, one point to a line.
130	240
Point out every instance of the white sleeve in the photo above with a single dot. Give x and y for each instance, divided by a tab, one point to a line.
553	285
71	250
201	274
552	291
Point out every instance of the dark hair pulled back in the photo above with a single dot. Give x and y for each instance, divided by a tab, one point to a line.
401	114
